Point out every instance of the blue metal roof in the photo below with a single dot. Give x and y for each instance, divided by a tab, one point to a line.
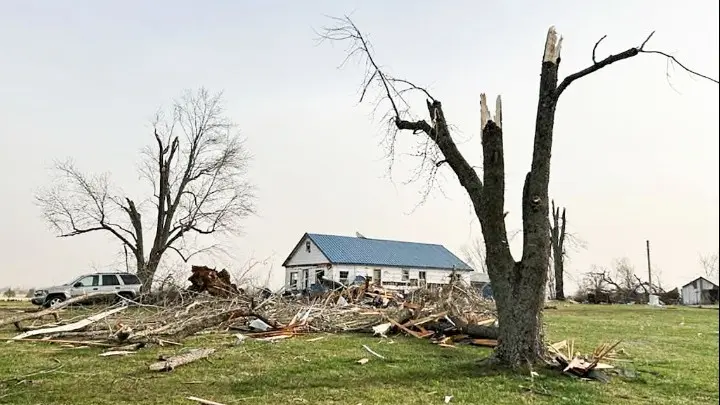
378	252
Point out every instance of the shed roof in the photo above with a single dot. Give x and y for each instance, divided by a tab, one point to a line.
700	278
378	252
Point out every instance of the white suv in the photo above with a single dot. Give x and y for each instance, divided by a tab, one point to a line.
123	284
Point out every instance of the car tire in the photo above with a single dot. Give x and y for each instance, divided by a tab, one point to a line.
53	300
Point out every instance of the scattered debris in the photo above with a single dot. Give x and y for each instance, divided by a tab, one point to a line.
373	353
216	283
173	362
70	327
363	361
204	401
586	368
448	398
259	325
433	313
116	353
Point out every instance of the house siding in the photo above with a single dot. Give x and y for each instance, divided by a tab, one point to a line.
302	257
389	275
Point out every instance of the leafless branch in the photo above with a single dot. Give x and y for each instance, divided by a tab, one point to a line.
595	48
197	169
709	263
629	53
187	256
393	91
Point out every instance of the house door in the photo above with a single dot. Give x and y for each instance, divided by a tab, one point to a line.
306	278
377	276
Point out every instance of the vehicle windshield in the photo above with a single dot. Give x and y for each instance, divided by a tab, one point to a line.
75	280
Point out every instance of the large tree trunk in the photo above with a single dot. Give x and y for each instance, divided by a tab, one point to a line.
519	304
146	271
519	287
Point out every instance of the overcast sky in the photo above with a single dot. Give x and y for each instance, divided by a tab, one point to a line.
635	154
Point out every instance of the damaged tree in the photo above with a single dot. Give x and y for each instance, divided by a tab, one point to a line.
197	169
518	286
216	283
557	241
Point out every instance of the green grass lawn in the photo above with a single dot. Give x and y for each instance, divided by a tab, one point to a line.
674	355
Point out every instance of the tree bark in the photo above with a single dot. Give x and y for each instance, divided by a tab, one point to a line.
557	240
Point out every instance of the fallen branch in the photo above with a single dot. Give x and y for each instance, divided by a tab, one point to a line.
50	311
373	353
72	342
176	361
70	327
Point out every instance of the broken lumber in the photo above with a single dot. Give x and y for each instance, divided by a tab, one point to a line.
50	311
173	362
72	326
192	328
66	342
204	401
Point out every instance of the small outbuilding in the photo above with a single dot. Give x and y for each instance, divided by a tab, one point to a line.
700	291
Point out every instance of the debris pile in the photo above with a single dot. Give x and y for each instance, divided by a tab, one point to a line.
444	315
216	283
589	367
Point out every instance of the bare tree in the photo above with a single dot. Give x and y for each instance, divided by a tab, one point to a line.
557	241
624	274
474	254
197	167
709	263
518	286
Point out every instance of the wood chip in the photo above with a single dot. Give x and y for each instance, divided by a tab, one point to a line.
204	401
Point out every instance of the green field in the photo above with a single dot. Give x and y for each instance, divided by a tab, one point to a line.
673	355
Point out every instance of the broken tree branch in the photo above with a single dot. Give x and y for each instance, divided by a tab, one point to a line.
51	311
629	53
185	358
72	326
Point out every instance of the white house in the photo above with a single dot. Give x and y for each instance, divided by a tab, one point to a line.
388	263
700	291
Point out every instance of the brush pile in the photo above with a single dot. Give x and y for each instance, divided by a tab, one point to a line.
425	313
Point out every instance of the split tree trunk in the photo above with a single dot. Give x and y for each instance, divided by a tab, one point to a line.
519	287
557	239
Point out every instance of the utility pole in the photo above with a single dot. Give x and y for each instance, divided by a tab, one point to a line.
647	244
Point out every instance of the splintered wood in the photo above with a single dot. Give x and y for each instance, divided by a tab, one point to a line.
579	366
173	362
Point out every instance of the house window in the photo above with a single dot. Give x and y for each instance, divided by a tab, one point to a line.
405	275
422	276
344	277
293	279
307	246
